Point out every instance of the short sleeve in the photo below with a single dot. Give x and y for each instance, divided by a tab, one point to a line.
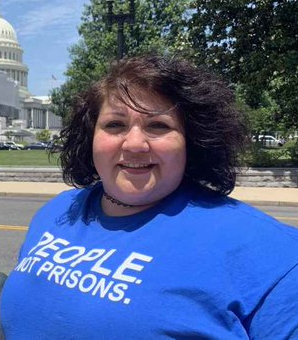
276	317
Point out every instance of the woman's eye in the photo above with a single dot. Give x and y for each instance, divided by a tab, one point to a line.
114	125
159	125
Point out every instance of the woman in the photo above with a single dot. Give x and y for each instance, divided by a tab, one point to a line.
151	247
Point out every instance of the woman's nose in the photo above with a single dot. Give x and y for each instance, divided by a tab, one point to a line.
136	140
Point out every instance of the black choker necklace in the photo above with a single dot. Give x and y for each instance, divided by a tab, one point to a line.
113	200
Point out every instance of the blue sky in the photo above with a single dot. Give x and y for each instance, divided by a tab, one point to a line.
45	30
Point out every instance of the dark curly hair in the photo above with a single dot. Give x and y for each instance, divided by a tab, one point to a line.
214	130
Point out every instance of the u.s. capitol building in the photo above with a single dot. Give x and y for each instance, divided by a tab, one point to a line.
19	110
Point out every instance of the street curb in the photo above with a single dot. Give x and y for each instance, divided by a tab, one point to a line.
272	203
24	194
251	202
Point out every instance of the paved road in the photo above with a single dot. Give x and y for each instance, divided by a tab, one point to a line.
19	210
286	214
16	213
10	243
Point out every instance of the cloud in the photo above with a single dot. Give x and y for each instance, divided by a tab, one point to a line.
45	30
49	18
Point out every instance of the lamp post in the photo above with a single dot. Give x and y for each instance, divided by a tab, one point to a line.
120	19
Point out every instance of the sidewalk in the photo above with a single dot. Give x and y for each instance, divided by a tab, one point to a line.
252	195
267	196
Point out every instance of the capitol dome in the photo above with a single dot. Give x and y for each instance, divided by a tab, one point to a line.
18	107
11	56
7	32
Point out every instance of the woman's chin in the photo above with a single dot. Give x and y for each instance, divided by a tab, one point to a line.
135	198
134	192
136	201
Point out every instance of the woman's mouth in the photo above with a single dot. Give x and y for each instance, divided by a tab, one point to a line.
136	168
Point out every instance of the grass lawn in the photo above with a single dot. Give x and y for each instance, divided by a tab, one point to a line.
26	158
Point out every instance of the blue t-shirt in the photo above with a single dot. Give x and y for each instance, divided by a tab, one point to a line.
195	266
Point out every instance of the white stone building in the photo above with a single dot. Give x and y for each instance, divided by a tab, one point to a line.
9	98
20	109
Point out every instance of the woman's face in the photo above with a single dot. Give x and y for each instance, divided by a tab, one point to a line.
139	157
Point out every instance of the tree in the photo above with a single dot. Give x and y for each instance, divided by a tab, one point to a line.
158	24
9	134
62	98
43	136
264	119
252	43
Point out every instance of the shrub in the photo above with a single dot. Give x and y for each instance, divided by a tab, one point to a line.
292	149
43	136
258	156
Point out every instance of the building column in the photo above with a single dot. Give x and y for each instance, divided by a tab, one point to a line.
40	119
35	118
47	120
31	118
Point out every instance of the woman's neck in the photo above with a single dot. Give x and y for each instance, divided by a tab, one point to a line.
113	207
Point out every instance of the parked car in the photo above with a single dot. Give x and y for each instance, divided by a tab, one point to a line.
268	140
7	146
14	145
36	146
3	146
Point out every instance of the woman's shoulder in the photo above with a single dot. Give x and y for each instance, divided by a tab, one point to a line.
223	215
75	194
67	206
64	199
237	233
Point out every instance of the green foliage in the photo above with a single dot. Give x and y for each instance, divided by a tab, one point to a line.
252	43
9	134
158	23
43	135
62	98
258	156
284	92
292	148
263	120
